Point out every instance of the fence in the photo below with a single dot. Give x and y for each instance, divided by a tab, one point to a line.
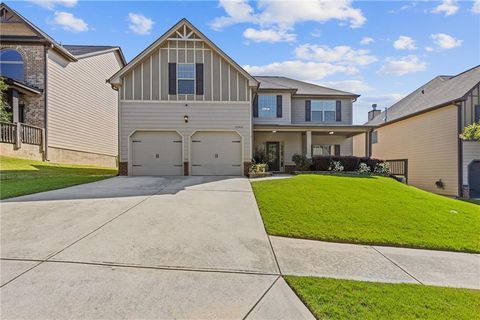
399	167
18	133
8	132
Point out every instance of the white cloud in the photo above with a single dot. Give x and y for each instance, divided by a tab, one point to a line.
268	35
429	49
140	24
404	43
355	86
402	66
317	33
445	41
476	6
366	41
51	4
340	54
69	22
448	7
307	71
238	11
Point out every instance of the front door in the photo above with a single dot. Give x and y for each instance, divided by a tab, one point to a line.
273	156
474	179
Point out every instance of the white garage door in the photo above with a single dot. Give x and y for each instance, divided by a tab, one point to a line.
216	153
156	153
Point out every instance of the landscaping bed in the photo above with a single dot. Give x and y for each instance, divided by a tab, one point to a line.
21	177
366	210
347	299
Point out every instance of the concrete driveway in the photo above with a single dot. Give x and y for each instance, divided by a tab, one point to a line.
144	247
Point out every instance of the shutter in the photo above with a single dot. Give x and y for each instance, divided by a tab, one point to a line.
199	78
337	150
255	106
172	78
338	111
308	110
279	106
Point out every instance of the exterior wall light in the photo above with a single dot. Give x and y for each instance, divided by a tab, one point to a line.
331	132
274	131
185	117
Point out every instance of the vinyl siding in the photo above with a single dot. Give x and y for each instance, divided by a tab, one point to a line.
359	146
298	111
286	110
170	115
346	144
292	143
471	151
82	107
430	143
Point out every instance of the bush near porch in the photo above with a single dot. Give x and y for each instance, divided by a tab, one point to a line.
366	210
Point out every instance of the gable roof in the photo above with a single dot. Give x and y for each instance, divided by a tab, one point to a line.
438	92
115	79
300	87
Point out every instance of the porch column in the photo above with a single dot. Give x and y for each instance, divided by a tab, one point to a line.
14	105
309	144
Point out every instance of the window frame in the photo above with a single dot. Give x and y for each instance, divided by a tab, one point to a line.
273	111
321	146
323	110
374	137
193	79
12	62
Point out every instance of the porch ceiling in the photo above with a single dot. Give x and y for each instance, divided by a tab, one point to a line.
348	130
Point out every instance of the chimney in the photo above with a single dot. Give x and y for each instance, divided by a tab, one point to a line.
374	112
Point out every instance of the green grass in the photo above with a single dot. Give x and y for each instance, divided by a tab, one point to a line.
346	299
366	210
20	177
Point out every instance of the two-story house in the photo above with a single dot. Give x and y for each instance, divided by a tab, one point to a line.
424	129
187	108
62	108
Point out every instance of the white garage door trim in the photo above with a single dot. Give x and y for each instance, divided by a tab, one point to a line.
130	148
242	151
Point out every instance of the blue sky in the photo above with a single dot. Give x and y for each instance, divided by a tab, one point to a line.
379	49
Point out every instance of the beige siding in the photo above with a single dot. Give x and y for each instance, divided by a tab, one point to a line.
430	143
291	141
170	115
298	111
16	29
149	79
344	142
359	147
82	107
471	151
286	110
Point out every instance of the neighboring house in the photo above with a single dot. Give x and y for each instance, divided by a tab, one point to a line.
186	108
424	129
58	95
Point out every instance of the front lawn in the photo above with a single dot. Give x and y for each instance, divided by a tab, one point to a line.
346	299
366	210
20	177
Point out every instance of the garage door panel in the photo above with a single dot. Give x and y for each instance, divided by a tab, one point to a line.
216	153
157	153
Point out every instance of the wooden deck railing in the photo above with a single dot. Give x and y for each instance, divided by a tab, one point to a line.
398	167
8	132
31	134
18	133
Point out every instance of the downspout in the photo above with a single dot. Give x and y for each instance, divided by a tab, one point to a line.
460	148
45	93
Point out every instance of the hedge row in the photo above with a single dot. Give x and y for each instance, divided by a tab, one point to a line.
349	163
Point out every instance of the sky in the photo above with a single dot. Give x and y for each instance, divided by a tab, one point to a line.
382	50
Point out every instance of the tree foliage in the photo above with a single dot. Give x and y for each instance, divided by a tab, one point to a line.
471	132
5	115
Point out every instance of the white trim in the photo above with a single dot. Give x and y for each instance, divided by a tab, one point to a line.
151	77
238	97
229	96
141	77
195	72
211	76
159	75
168	69
133	84
176	62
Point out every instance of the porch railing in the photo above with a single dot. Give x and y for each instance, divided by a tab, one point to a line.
18	133
399	167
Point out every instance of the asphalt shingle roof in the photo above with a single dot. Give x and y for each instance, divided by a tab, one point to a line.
78	50
439	91
301	87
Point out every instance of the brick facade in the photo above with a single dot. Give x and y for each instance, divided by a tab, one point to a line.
123	168
246	168
34	64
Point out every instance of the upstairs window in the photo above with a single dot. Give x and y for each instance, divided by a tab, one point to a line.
186	78
11	64
323	110
267	106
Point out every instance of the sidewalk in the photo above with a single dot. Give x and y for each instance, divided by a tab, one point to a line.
376	263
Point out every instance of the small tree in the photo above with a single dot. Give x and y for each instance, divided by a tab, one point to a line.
471	132
5	115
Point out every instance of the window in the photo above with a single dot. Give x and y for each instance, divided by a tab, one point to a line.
11	64
186	78
374	137
323	150
477	113
323	110
267	106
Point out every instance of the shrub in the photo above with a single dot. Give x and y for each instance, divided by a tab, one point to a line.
336	166
471	132
382	168
363	168
259	168
301	162
260	155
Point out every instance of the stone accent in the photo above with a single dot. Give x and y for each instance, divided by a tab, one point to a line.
59	155
123	168
246	168
27	151
185	168
465	191
34	62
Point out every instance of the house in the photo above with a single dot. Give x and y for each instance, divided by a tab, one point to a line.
423	128
187	108
63	109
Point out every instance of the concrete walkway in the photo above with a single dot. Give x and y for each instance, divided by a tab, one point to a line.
376	263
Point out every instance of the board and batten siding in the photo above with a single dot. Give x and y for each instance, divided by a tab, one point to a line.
286	109
298	110
203	116
148	80
471	151
430	143
82	107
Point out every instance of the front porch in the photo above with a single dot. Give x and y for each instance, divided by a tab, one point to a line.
280	143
